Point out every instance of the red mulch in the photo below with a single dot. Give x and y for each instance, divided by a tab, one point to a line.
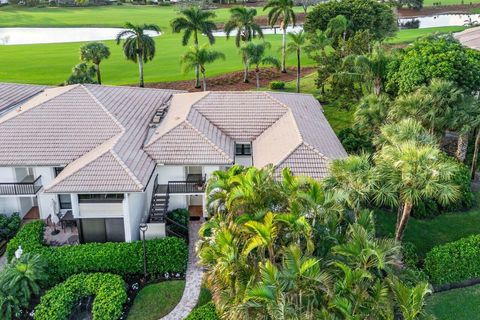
428	11
233	81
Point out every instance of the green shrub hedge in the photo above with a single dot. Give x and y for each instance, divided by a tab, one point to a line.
167	255
108	289
9	226
205	312
454	262
277	85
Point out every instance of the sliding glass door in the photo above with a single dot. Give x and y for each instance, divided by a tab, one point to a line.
102	230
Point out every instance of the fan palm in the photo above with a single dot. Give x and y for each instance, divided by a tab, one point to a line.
403	131
298	42
372	112
199	57
193	21
281	10
95	52
138	46
255	55
410	172
242	20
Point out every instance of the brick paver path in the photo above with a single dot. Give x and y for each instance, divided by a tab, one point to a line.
193	279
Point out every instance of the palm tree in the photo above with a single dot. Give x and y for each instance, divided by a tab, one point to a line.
242	20
138	46
296	45
193	21
338	26
95	52
281	10
255	55
411	301
408	173
199	57
22	276
372	112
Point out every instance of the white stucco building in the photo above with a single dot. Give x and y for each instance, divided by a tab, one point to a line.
114	157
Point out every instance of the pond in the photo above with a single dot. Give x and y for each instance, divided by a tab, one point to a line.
11	36
443	20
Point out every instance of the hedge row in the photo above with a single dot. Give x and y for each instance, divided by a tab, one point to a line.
167	255
205	312
454	262
108	290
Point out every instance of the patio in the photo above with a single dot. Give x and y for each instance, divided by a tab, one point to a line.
68	235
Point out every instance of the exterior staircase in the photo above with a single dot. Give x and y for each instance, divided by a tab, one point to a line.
159	206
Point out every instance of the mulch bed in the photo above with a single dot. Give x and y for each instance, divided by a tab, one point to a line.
234	81
429	11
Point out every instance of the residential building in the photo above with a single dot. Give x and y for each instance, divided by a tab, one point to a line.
115	157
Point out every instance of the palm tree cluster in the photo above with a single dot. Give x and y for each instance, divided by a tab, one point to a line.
289	249
92	52
19	281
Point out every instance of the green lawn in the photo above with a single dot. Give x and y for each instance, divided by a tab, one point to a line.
429	3
409	35
457	304
52	63
156	300
426	234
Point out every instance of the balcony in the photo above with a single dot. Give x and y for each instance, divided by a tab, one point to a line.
21	188
195	183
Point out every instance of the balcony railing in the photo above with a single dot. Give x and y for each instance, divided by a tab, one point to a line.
21	188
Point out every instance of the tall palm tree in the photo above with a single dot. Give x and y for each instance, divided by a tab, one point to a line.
281	10
408	173
298	42
338	26
138	46
199	57
242	20
95	52
255	55
193	21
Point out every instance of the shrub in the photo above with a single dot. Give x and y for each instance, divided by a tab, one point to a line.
205	312
180	216
9	226
455	261
167	255
354	141
277	85
108	289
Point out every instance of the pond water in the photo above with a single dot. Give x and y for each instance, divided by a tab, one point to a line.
10	36
443	20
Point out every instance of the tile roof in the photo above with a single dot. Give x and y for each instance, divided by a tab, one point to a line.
92	130
12	94
104	137
203	128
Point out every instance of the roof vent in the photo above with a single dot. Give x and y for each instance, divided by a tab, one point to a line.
159	114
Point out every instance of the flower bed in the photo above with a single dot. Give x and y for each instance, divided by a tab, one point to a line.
108	290
167	256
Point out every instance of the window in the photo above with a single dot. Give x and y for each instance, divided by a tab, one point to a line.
99	198
243	149
65	201
57	170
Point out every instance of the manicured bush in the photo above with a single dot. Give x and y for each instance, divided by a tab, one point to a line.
205	312
9	226
277	85
455	261
167	255
108	289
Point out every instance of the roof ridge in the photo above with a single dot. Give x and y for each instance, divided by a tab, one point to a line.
308	145
127	169
267	93
11	115
61	177
224	154
115	120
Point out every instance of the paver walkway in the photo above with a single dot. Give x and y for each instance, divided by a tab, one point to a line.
193	279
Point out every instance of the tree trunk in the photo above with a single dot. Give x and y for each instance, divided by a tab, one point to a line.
257	76
284	47
462	146
399	215
298	71
407	209
140	70
475	154
204	80
97	69
245	75
377	86
197	67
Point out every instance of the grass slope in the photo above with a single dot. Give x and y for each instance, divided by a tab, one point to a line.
426	234
156	300
429	3
457	304
410	35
